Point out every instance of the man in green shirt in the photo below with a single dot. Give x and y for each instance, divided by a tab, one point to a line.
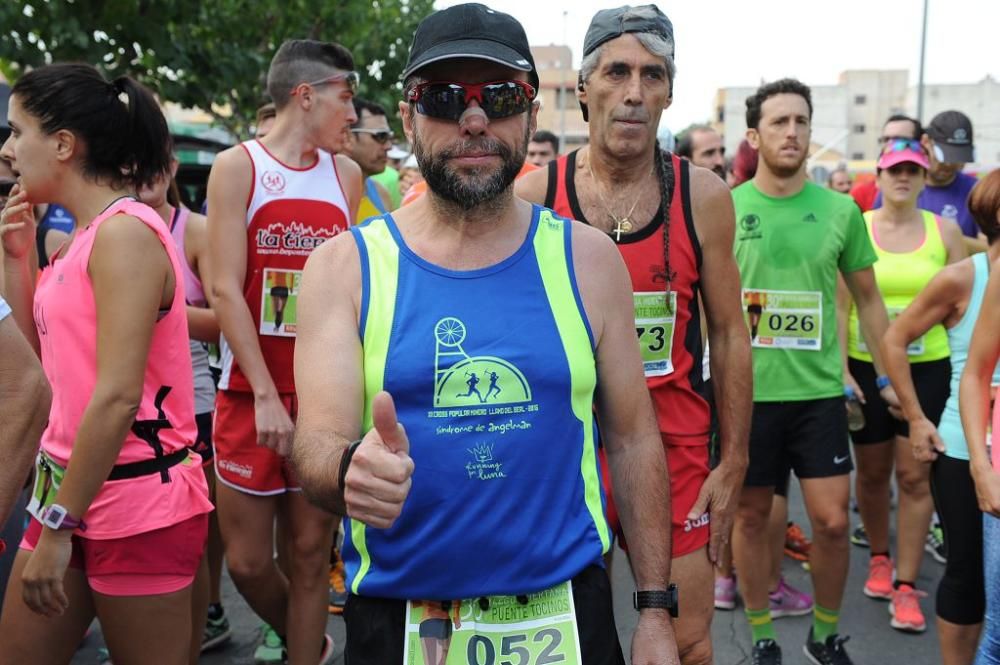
793	237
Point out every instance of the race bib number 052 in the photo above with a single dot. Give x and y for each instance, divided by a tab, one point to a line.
784	319
502	631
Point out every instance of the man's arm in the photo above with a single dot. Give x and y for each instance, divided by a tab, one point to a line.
24	409
331	398
732	376
873	320
229	187
629	430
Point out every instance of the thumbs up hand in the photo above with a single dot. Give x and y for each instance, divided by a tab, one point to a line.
378	478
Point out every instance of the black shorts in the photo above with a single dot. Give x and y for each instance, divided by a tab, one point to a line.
203	445
809	437
932	381
376	632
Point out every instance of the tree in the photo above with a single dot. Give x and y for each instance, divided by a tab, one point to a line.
209	54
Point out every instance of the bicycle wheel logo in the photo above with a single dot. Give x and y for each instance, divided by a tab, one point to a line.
461	379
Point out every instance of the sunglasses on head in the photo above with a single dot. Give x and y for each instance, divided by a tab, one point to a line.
447	100
901	144
352	79
380	135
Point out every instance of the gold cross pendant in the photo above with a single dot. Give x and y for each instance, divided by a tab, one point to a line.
623	225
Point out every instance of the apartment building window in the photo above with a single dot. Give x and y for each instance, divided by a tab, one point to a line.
857	156
860	100
859	128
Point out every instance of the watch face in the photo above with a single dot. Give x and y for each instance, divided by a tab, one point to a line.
54	516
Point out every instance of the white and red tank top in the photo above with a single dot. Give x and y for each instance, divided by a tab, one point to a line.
65	315
290	212
669	332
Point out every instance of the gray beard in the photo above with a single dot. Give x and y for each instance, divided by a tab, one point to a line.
488	191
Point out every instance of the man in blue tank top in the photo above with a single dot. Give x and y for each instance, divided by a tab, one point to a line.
479	529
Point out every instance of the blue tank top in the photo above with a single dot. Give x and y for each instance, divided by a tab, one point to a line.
959	337
493	376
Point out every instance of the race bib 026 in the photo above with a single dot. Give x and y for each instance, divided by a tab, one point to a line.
499	630
790	320
654	325
278	302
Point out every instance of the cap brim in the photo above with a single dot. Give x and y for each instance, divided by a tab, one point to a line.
956	154
908	156
476	49
395	153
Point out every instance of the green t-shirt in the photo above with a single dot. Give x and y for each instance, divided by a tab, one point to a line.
789	251
389	178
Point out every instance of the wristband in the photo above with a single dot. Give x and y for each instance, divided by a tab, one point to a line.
345	462
882	382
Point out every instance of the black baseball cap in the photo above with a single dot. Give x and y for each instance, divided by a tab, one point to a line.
952	132
475	31
609	24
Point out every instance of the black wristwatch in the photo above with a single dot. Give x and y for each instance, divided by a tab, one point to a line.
660	600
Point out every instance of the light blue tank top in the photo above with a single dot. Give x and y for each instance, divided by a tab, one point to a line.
493	376
959	337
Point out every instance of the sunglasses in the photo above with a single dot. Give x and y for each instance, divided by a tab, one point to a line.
899	145
352	79
5	188
447	100
380	135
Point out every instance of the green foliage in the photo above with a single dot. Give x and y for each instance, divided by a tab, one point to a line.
210	54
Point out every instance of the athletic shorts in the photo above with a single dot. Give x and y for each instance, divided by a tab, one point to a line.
239	461
376	631
688	469
203	445
932	381
146	564
809	437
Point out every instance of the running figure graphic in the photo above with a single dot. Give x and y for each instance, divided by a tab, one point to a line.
472	383
493	386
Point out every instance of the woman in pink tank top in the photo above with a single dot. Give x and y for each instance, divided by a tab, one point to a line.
119	508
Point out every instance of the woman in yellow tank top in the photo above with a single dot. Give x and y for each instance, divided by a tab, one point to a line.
912	246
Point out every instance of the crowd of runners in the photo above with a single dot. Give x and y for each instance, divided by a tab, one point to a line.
430	411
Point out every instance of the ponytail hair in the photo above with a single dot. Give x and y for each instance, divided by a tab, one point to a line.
124	134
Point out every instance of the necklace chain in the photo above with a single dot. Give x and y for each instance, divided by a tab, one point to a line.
621	224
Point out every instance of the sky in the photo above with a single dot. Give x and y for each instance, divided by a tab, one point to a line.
722	43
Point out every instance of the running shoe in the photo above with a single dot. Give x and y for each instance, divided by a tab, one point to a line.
326	656
829	652
879	582
787	601
796	543
271	650
217	630
859	537
905	610
935	543
338	586
766	652
725	593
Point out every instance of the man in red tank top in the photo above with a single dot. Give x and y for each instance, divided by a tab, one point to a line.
655	205
270	204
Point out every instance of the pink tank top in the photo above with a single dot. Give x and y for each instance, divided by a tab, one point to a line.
66	317
194	292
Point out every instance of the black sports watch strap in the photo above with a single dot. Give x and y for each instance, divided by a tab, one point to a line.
662	600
